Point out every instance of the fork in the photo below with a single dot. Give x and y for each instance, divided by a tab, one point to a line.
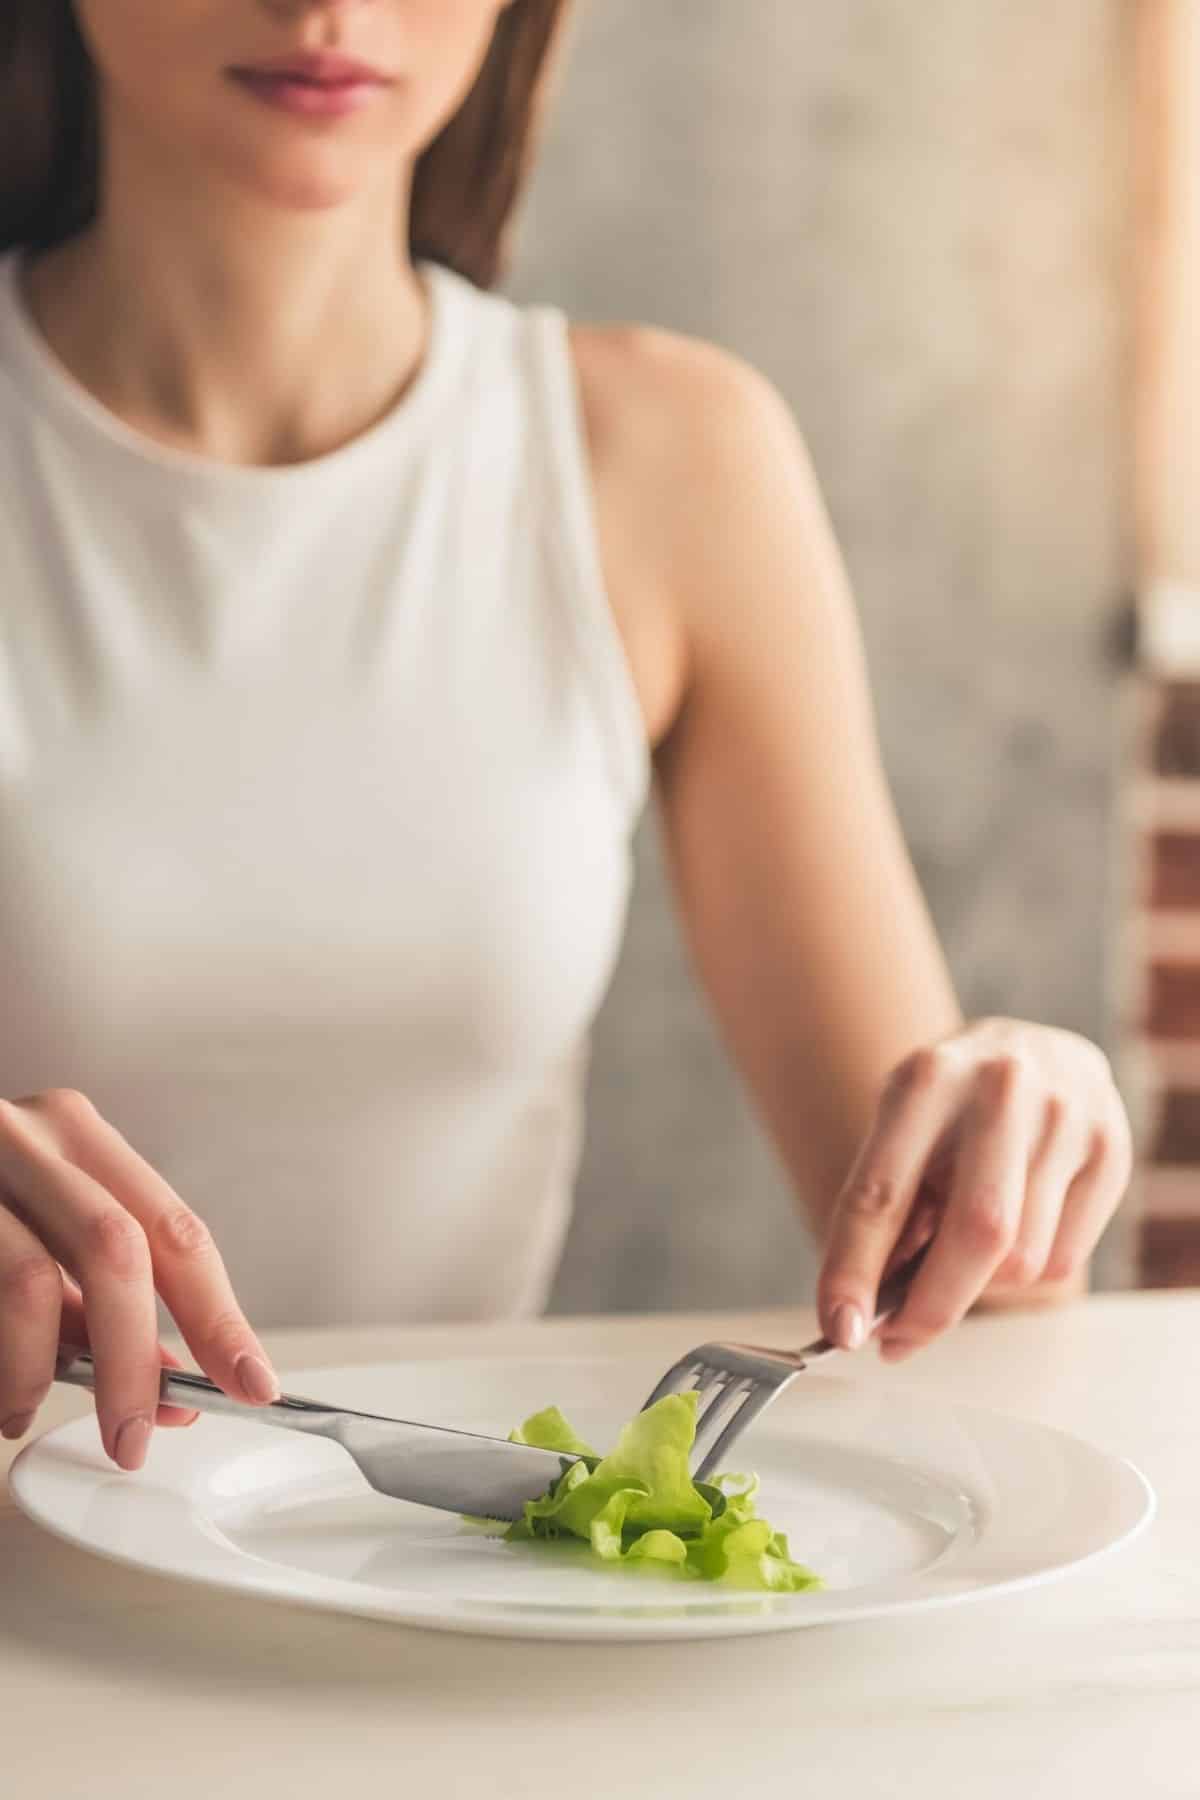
747	1377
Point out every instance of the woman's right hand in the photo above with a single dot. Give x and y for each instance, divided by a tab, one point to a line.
88	1232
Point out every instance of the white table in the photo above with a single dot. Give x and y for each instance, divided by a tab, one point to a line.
117	1683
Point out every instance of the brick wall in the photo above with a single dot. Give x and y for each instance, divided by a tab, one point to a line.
1159	999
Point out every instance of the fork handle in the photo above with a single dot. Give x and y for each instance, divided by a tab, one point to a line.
893	1291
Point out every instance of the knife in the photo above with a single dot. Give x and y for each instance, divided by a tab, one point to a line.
431	1465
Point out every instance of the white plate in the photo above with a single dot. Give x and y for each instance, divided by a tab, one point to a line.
898	1501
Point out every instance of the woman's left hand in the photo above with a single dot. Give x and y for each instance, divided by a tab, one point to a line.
1007	1145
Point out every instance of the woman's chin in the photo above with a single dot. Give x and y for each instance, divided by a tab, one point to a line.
305	186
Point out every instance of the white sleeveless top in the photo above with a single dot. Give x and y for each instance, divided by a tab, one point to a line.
317	784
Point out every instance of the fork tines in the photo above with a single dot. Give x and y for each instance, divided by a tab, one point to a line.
734	1382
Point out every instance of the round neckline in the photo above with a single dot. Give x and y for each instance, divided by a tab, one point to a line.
53	383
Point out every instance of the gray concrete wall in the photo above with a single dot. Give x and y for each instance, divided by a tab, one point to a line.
915	219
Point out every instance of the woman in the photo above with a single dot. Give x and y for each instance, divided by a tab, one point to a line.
349	611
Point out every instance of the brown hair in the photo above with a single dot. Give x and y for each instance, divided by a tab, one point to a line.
466	182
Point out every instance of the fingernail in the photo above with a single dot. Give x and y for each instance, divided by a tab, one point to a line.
132	1442
849	1327
17	1426
257	1381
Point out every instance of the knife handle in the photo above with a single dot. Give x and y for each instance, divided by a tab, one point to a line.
179	1387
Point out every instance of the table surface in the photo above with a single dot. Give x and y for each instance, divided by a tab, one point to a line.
114	1682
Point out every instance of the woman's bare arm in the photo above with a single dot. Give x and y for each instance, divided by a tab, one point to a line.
798	899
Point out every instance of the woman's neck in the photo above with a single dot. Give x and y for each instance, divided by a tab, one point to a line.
250	334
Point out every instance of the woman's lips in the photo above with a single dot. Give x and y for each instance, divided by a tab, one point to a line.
311	99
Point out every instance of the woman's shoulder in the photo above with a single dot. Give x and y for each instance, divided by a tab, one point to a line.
693	444
703	485
666	389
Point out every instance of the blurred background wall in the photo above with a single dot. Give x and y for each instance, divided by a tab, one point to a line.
916	220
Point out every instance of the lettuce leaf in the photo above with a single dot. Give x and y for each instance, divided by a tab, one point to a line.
548	1430
639	1503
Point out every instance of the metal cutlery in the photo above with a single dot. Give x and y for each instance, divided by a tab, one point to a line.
432	1465
488	1477
736	1381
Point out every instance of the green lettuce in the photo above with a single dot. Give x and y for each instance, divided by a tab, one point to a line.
639	1503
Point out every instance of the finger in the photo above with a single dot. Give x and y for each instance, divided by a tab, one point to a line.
983	1211
919	1229
74	1331
187	1266
1092	1198
873	1207
103	1246
23	1329
30	1307
1060	1154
